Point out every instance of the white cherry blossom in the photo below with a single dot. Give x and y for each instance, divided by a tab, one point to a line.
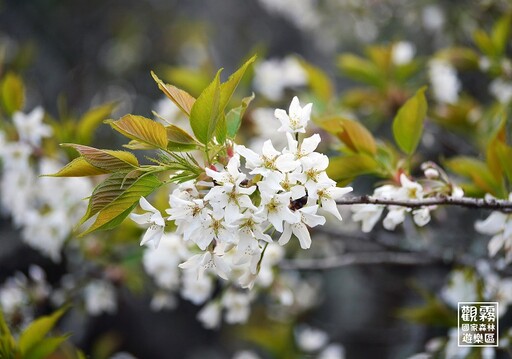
269	160
153	217
237	306
499	225
207	262
30	127
210	315
328	195
308	217
296	119
276	210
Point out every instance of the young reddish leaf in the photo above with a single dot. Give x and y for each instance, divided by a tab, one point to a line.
141	129
106	192
178	135
106	159
353	134
91	120
79	167
348	167
205	111
408	123
117	210
181	98
136	145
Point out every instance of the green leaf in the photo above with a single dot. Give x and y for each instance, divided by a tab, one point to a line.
91	120
205	111
353	134
408	123
500	34
433	313
319	81
360	69
141	129
106	159
234	117
136	145
484	42
12	93
106	192
117	210
498	137
37	330
504	154
4	329
226	92
181	98
46	347
347	167
221	131
79	167
228	88
178	135
477	171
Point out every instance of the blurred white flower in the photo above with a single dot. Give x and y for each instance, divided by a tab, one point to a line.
302	13
433	17
332	351
30	127
501	90
210	315
310	339
237	306
162	263
246	354
162	301
461	287
196	289
444	80
100	297
402	52
272	77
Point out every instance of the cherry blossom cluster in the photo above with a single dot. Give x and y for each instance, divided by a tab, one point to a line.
226	222
369	214
44	209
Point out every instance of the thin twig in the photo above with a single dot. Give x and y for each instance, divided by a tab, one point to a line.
482	203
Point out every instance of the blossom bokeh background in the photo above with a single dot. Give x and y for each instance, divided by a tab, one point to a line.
75	56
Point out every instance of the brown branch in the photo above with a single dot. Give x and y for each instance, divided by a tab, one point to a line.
482	203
